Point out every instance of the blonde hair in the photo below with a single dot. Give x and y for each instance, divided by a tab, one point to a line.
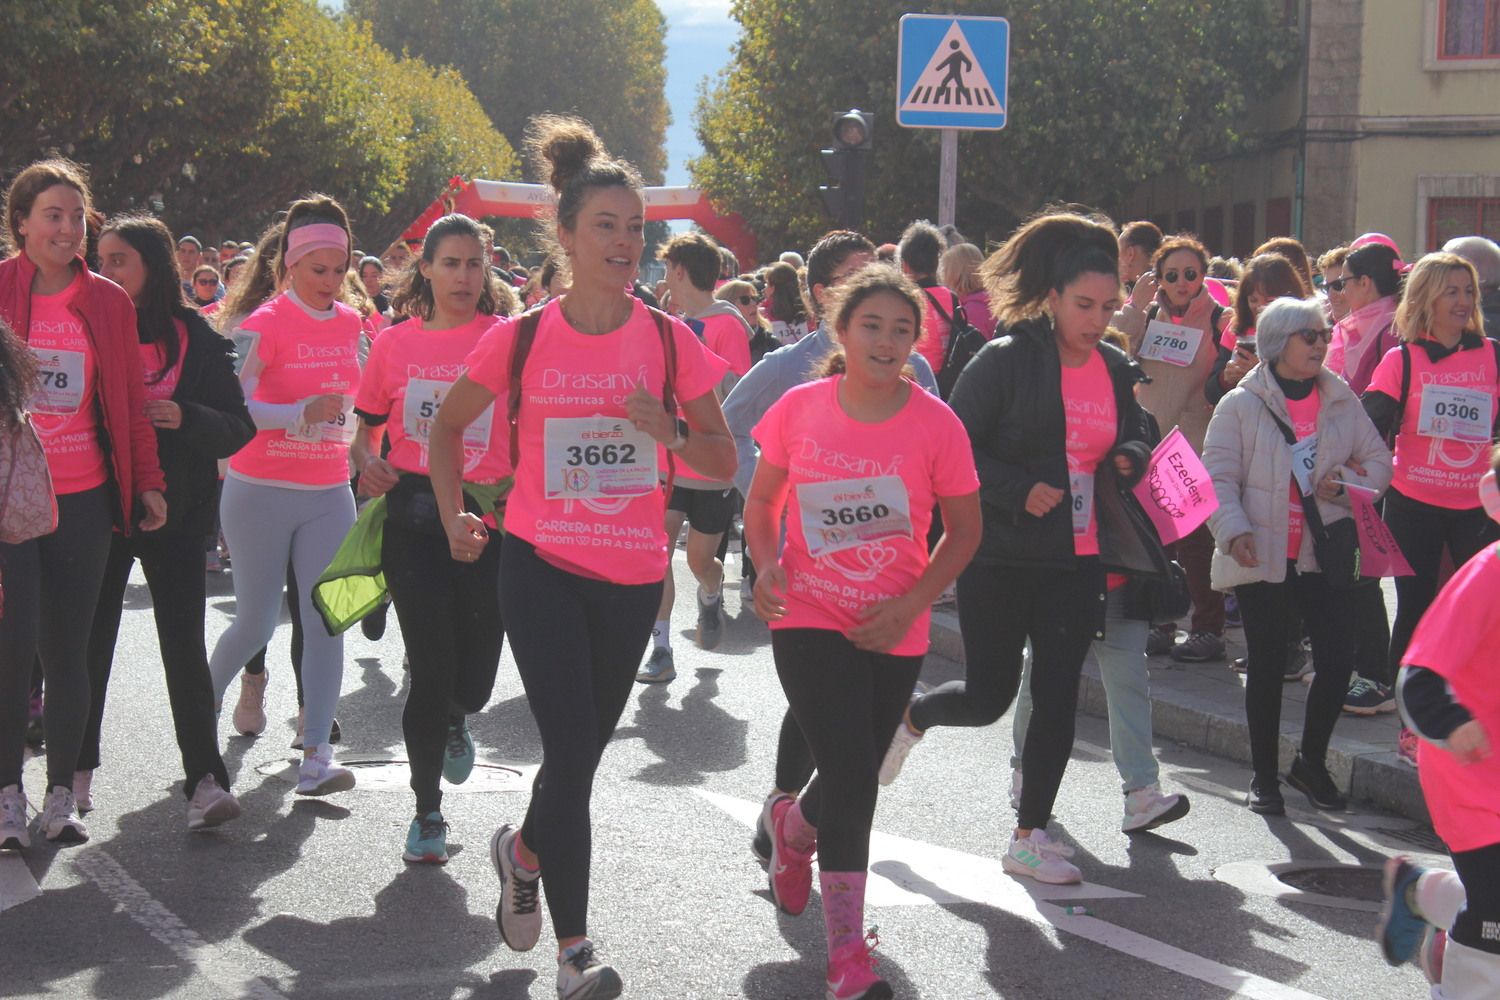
1423	287
959	269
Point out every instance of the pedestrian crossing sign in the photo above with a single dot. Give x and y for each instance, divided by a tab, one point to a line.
952	72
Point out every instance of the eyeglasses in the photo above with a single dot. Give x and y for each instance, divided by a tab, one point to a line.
745	300
1311	337
1337	284
1188	274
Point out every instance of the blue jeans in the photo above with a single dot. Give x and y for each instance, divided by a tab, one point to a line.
1121	655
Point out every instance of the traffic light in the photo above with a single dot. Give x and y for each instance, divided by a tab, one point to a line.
846	163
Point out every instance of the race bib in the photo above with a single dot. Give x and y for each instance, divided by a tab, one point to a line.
1171	342
1456	414
339	430
846	513
1304	457
424	397
1081	486
597	457
62	382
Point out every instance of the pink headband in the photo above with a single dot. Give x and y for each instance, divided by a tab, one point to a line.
319	236
1381	239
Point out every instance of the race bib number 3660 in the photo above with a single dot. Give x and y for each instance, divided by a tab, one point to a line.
846	513
596	458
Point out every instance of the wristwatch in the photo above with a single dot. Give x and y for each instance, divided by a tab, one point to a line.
680	441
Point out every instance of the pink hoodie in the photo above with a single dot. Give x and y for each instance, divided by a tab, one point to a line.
1360	340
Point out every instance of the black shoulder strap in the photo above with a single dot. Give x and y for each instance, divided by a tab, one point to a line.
938	306
1405	391
1152	310
1309	504
520	350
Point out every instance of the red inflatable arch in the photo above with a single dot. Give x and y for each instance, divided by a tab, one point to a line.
479	197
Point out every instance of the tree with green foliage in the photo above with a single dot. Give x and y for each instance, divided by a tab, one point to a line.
1103	93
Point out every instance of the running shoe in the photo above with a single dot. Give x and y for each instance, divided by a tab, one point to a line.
1365	697
13	833
250	710
581	974
760	844
335	734
427	840
710	620
1406	746
1240	664
1401	928
790	870
1147	808
319	775
1042	858
1265	798
211	805
1314	781
1430	956
83	786
517	914
851	972
1161	639
1199	647
895	755
458	753
659	668
59	821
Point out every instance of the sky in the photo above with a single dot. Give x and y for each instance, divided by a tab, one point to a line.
699	36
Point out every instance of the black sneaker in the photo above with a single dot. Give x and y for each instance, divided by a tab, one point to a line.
1368	697
658	668
1265	798
1314	781
373	624
1199	647
1161	639
710	620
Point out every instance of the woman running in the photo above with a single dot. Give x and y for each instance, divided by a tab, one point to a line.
849	598
447	607
90	412
194	401
593	380
286	497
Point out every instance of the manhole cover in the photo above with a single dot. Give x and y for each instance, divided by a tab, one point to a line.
1345	882
1420	837
383	774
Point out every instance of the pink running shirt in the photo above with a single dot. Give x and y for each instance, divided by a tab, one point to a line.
860	501
1457	639
1089	406
153	356
933	344
64	412
1304	414
725	336
569	379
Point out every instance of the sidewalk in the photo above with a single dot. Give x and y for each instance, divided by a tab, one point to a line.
1203	706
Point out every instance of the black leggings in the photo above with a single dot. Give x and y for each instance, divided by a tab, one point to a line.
51	589
1329	614
1478	923
173	565
257	664
577	643
794	759
848	702
1422	530
999	608
450	620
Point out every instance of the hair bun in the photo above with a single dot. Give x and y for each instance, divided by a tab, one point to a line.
561	147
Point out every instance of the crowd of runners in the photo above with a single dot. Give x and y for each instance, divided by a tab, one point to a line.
511	454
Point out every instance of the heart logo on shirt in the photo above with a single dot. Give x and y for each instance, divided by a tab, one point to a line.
869	561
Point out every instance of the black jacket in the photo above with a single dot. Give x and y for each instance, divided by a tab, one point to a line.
1009	398
215	425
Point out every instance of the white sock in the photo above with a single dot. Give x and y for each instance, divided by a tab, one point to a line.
661	634
705	597
1439	896
1468	973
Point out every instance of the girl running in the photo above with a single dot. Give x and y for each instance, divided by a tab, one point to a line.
194	401
90	412
287	497
593	380
850	596
447	607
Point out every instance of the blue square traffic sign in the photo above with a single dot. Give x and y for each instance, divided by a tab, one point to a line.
952	72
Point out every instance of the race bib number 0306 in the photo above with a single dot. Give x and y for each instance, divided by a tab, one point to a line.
1456	414
846	513
597	458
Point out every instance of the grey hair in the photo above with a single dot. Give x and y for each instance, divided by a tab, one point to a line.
1482	253
1282	318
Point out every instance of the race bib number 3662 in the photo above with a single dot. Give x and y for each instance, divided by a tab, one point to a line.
846	513
597	458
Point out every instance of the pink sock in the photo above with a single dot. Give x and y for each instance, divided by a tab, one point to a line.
515	857
800	834
843	908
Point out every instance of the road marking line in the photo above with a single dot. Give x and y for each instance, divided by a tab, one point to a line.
17	884
164	925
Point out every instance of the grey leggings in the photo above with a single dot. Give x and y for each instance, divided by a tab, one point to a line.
267	527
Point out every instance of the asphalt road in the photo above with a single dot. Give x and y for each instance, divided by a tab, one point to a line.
310	899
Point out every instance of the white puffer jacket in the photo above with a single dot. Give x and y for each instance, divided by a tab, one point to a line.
1251	465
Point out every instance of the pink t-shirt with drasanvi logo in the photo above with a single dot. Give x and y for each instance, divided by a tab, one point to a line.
860	501
1443	447
1089	406
154	357
1304	414
406	379
1457	639
63	408
302	357
587	491
725	336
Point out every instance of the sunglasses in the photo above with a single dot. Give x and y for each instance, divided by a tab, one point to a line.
1311	337
745	300
1189	274
206	282
1337	284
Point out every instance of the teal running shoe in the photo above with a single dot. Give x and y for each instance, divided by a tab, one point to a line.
458	757
427	840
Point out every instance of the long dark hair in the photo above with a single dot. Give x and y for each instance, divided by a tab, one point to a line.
414	297
17	373
1049	252
160	300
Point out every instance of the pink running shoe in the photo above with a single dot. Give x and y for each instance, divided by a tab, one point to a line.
1406	746
851	973
790	869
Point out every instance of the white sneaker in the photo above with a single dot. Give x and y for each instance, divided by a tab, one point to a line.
250	710
83	783
59	820
1042	858
581	973
1015	788
211	805
518	914
1147	808
13	833
895	755
319	775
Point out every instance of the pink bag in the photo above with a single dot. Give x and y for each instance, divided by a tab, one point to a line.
28	506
